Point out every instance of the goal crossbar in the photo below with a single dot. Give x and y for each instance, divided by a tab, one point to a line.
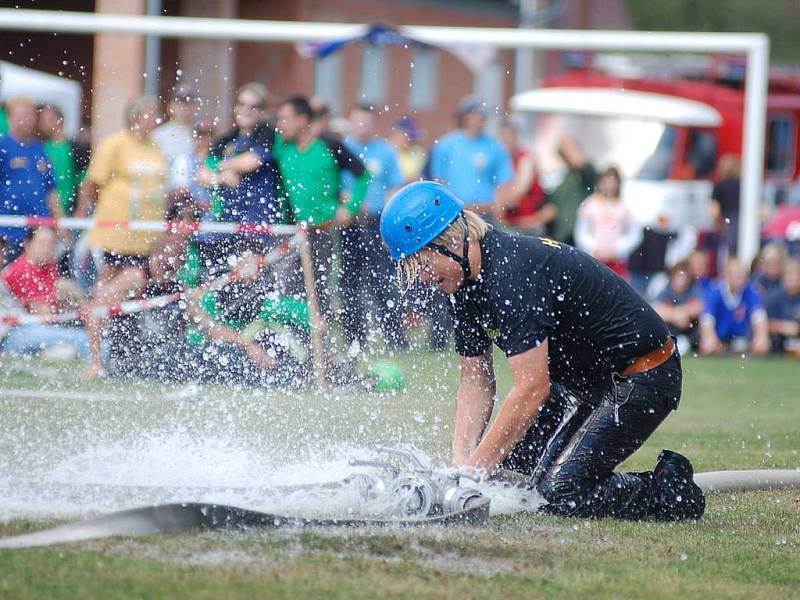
754	46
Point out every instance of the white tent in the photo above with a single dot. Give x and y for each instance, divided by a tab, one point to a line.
43	88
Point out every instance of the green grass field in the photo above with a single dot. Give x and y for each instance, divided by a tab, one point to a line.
734	414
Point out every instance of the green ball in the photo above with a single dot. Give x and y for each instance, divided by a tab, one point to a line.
388	376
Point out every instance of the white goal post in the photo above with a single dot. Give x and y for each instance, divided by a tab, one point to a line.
755	46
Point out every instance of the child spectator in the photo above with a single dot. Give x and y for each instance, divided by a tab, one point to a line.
663	245
769	266
605	227
680	305
698	270
33	280
174	260
733	316
32	277
783	310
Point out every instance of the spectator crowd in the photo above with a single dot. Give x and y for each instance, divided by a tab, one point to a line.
244	318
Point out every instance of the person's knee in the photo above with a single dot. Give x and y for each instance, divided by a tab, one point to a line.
563	492
133	277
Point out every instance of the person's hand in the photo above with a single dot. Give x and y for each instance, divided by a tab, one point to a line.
680	319
760	345
40	308
247	268
461	476
465	471
343	218
789	328
605	255
710	344
259	356
66	237
206	176
499	211
229	178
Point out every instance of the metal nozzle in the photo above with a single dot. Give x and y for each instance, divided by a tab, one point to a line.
408	455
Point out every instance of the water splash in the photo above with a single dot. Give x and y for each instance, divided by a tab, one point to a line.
178	467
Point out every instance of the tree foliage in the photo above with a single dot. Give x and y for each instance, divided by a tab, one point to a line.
780	19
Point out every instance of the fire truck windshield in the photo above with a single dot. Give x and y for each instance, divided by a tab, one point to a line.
641	149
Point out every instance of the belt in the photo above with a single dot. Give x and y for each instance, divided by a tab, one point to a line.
651	360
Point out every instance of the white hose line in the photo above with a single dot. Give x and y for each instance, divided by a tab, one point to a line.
744	481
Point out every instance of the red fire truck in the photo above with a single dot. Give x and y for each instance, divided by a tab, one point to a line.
665	133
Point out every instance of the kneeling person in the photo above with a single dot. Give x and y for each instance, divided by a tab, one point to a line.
595	370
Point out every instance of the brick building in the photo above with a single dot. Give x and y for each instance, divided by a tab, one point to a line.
421	81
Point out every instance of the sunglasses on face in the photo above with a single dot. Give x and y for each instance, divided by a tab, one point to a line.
242	104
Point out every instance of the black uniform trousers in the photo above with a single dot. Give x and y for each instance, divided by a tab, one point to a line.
579	437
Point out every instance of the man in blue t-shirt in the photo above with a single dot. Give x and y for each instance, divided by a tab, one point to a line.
473	164
479	170
783	310
733	316
367	269
29	188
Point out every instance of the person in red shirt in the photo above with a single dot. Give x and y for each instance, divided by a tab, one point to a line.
33	281
525	207
32	277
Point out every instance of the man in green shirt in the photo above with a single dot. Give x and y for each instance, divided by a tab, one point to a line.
59	151
578	183
311	167
3	119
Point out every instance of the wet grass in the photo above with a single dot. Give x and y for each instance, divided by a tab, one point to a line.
735	414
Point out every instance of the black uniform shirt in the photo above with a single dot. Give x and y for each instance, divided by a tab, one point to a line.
530	289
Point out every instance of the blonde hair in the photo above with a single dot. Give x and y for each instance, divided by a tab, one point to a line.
19	102
772	251
729	167
259	90
452	238
137	106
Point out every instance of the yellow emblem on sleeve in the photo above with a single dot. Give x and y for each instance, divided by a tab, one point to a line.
492	334
551	243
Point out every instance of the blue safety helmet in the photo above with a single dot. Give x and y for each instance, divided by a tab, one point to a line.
416	215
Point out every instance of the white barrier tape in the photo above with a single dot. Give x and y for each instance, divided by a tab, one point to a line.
124	308
203	226
135	306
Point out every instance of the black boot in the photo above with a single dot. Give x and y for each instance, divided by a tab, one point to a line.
679	496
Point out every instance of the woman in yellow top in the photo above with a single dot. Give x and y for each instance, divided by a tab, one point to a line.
125	182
